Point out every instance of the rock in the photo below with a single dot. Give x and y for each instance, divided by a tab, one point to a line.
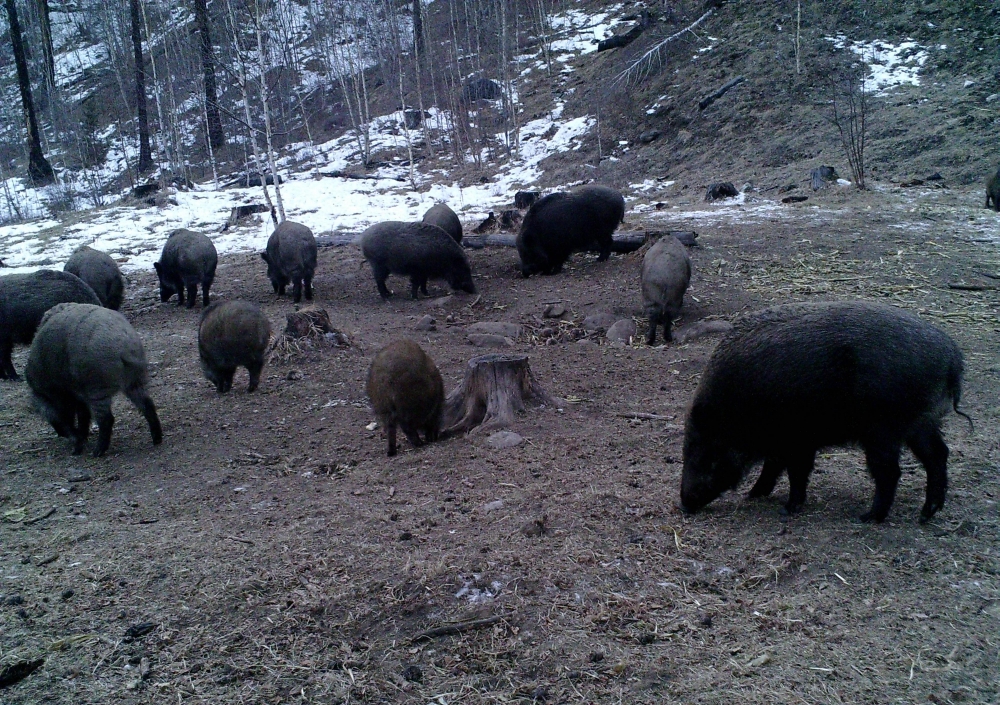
700	329
546	332
508	330
413	673
622	330
493	506
487	340
66	594
683	136
587	344
79	476
426	323
936	176
554	311
649	136
504	439
293	375
993	96
599	321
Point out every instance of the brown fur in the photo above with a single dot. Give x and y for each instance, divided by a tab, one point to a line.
666	273
406	390
232	334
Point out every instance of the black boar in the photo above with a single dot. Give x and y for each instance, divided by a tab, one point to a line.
724	189
101	273
291	258
406	390
418	251
524	199
232	334
82	356
188	259
446	219
792	379
666	273
24	299
559	224
993	191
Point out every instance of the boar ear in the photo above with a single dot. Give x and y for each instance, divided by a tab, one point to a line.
263	256
156	266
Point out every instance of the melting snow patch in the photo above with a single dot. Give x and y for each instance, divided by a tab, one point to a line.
890	65
475	594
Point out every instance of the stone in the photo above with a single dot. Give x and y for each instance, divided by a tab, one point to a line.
587	344
599	321
649	136
507	330
488	340
504	439
554	311
426	323
493	506
622	331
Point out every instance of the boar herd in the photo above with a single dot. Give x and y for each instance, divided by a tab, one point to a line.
786	382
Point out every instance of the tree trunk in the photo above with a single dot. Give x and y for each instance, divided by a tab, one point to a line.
418	29
145	154
39	170
216	137
48	55
494	388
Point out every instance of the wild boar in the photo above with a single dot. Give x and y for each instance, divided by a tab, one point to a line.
291	258
82	356
188	259
418	251
445	218
666	273
561	223
232	334
24	299
792	379
101	273
406	390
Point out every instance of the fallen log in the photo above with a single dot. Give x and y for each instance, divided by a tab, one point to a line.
620	40
238	213
622	242
338	174
707	101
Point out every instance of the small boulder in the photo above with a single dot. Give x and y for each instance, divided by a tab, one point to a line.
554	311
622	331
599	321
504	439
509	330
488	340
427	323
649	136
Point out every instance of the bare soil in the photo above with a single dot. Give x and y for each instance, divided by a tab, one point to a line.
282	557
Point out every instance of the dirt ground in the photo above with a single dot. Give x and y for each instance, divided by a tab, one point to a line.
282	557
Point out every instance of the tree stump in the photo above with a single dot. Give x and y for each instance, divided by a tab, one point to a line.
494	389
308	322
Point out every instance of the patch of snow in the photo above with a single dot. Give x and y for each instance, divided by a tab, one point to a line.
889	65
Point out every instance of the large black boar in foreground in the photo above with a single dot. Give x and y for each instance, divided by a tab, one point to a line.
993	191
406	390
232	334
188	259
561	223
24	299
666	273
418	251
793	379
291	258
445	218
101	273
82	356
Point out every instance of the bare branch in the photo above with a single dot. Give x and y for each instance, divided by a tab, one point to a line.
641	67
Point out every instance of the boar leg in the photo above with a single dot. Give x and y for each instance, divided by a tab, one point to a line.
254	369
413	436
883	463
6	364
390	434
768	479
82	432
143	403
101	409
799	467
668	333
651	336
418	282
381	273
926	443
296	290
604	248
204	294
179	288
308	286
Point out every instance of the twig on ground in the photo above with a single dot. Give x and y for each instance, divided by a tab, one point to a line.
458	628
